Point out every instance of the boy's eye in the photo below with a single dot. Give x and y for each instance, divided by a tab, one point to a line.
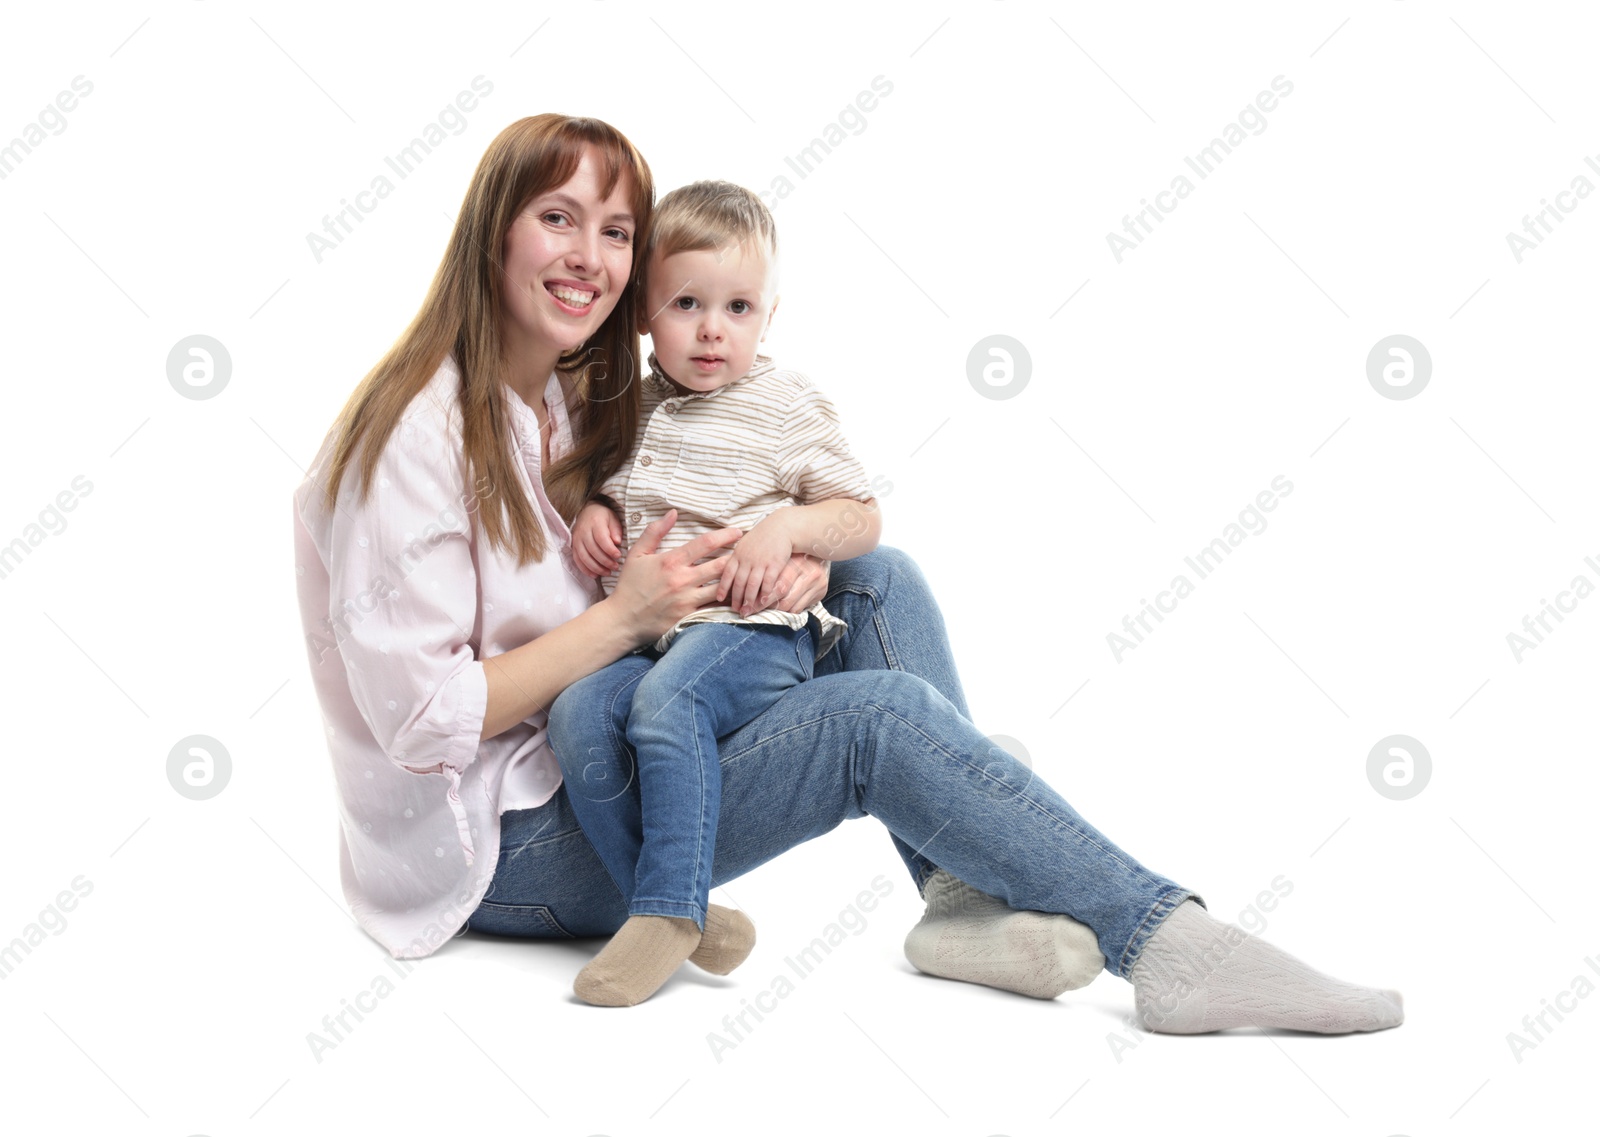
740	307
684	303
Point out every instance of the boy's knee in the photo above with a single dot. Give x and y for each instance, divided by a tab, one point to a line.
654	692
660	712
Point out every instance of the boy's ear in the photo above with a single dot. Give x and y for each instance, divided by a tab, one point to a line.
644	317
770	313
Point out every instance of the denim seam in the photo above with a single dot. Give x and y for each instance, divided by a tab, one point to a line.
562	836
681	909
537	911
700	828
878	621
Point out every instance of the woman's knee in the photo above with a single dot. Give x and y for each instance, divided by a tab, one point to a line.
870	695
897	563
903	693
875	571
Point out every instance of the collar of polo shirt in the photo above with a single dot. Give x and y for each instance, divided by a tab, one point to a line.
657	378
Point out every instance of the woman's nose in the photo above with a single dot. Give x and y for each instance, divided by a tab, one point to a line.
585	250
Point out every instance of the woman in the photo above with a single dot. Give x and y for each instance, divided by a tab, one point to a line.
444	616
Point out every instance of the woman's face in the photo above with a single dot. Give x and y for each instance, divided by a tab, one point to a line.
567	257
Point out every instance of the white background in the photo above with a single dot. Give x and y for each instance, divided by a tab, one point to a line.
1230	347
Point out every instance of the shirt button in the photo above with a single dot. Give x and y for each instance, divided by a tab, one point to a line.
646	460
671	408
633	518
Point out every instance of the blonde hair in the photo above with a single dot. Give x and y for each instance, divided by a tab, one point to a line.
461	316
708	215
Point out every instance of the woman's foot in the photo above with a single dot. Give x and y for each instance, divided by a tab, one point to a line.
1197	974
976	938
641	957
728	939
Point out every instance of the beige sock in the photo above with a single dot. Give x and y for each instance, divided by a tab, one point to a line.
639	959
728	938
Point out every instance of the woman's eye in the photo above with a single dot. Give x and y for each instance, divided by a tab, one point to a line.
618	234
557	216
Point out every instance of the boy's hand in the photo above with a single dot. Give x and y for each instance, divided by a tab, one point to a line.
750	578
597	540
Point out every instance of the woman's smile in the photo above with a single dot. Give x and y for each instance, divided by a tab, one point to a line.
571	296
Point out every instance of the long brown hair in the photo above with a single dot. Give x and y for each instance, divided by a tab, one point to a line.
461	316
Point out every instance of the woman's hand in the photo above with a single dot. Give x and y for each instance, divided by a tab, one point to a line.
597	540
656	590
802	583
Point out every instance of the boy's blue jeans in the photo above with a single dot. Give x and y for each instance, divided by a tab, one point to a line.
712	679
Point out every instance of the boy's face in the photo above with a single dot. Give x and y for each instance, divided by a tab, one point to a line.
707	311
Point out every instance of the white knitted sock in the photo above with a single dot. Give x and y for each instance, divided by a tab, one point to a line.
976	938
1197	974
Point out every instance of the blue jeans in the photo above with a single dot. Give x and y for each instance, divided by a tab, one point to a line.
881	730
712	679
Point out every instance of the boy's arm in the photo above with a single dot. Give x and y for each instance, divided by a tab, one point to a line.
839	517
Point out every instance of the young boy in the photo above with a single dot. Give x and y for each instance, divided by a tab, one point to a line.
725	439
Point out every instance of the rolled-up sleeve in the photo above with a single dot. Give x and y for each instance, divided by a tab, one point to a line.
815	463
403	601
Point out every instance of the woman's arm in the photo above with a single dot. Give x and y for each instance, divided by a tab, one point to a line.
653	593
528	678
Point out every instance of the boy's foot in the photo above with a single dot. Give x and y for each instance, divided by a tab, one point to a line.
641	957
728	940
977	938
1197	974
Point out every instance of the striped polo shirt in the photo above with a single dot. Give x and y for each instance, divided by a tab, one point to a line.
729	457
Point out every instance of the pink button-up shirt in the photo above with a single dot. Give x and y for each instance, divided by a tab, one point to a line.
401	601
